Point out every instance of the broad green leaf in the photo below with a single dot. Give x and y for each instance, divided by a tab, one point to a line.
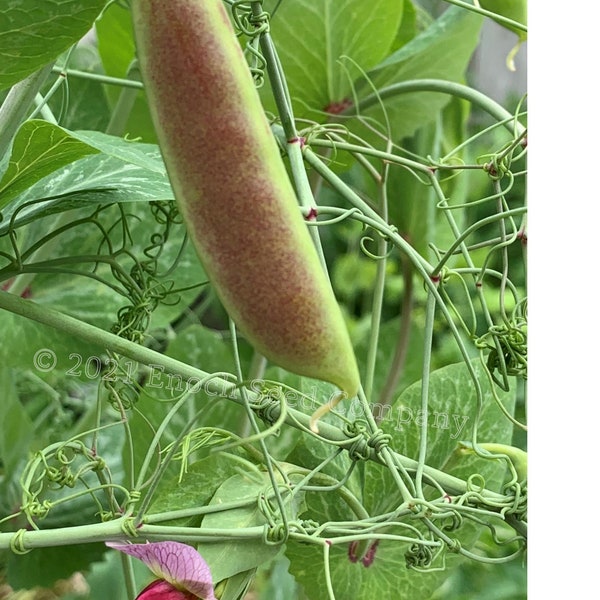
33	33
319	40
228	558
206	349
97	179
452	411
44	566
115	40
117	51
135	153
442	51
39	148
39	348
408	27
209	352
16	431
237	585
277	583
195	487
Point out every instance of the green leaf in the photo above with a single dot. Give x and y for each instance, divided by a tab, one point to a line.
231	557
442	51
117	50
408	27
39	148
96	179
135	153
452	414
195	487
207	349
33	33
452	410
17	429
318	40
44	566
39	348
115	40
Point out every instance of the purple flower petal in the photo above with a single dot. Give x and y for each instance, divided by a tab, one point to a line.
160	589
176	563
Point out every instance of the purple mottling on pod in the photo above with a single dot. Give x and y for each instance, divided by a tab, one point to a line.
233	190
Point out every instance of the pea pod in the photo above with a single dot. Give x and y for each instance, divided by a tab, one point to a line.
233	191
517	456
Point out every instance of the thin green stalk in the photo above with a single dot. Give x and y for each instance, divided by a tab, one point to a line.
105	79
445	87
44	110
260	438
378	293
476	8
358	150
23	281
293	143
128	575
427	348
401	347
42	101
210	384
460	239
125	103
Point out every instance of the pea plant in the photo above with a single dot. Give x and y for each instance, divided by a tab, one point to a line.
147	447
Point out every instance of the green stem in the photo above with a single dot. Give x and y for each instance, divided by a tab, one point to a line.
120	114
378	294
444	87
105	79
128	575
211	385
426	372
292	141
41	106
401	347
488	13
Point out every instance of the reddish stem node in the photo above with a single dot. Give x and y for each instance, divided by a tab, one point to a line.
312	214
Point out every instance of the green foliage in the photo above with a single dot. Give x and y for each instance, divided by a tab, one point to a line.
333	36
34	33
166	424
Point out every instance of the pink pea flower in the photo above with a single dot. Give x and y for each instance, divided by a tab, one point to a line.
182	573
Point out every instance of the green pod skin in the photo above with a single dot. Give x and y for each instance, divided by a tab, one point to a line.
517	456
234	192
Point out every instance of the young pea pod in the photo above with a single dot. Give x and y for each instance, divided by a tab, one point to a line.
517	457
233	191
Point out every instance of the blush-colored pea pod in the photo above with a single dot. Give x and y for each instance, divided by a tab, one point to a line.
233	190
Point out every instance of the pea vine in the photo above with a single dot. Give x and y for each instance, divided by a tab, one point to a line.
471	290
